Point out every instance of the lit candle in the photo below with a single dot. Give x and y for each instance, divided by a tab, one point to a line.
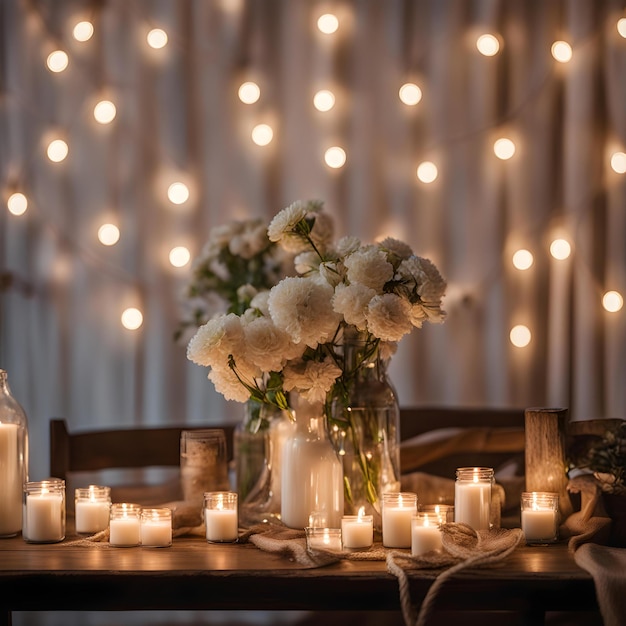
472	497
540	516
357	531
398	508
220	516
425	534
323	538
91	509
443	512
156	528
44	511
11	482
125	525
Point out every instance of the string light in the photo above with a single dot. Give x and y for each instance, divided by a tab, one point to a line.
427	172
618	162
249	92
562	51
328	23
621	27
410	94
104	112
504	148
57	150
324	100
178	193
108	234
179	256
560	249
335	157
262	134
488	45
520	336
157	38
57	61
83	31
132	318
17	203
612	301
523	259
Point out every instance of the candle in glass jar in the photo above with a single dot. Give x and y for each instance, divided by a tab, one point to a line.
125	525
425	534
44	511
357	531
540	516
156	527
323	538
220	516
472	496
92	509
398	508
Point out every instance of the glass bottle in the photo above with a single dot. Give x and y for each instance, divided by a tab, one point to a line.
312	477
13	459
365	427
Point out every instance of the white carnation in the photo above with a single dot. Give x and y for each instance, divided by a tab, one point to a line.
306	262
323	230
352	301
396	247
388	317
282	226
312	379
301	307
369	266
228	385
347	245
250	240
260	302
267	346
216	340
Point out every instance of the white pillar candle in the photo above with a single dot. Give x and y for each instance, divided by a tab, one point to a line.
125	525
156	528
220	516
472	497
92	509
398	508
540	516
44	511
425	534
357	531
11	482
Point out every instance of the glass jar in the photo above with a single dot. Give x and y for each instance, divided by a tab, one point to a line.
221	518
13	459
156	527
472	496
364	426
125	525
91	509
312	476
44	511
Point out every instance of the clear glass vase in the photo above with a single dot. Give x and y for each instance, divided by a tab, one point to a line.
364	426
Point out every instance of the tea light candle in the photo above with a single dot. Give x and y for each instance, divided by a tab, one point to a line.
357	531
472	496
156	527
443	512
220	516
323	538
397	510
425	534
125	525
92	509
540	516
44	511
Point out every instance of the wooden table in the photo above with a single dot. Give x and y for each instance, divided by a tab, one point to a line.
195	575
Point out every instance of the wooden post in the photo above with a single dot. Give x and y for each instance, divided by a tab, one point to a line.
546	454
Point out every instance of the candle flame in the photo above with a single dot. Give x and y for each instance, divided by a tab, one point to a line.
475	474
361	514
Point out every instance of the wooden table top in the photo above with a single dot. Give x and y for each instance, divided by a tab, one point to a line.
195	575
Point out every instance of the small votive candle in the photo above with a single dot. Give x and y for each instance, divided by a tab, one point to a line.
156	528
443	512
472	496
44	511
540	516
92	507
425	533
220	516
323	538
397	510
125	525
357	531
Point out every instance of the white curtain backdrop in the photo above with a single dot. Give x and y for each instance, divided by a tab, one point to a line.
179	119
